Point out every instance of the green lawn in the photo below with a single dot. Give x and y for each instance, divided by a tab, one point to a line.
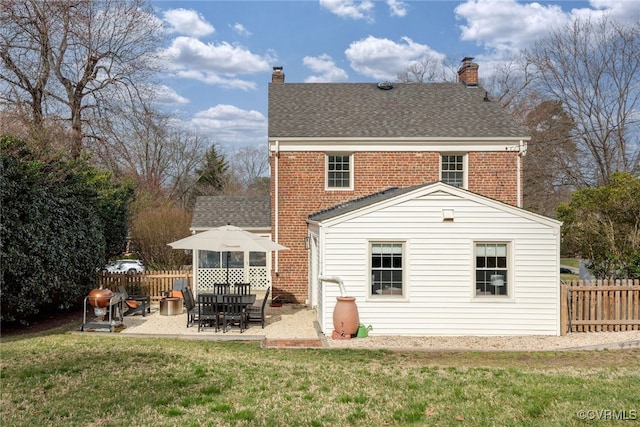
62	379
570	262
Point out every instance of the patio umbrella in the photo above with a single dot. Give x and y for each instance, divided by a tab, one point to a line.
227	239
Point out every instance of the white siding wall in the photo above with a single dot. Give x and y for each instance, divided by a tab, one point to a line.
439	269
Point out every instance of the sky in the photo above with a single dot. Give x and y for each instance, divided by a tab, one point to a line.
219	55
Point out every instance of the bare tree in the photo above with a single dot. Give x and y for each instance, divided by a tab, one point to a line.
156	152
511	83
550	159
593	69
60	57
428	69
25	67
249	165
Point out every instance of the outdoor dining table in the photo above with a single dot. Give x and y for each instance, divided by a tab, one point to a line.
246	301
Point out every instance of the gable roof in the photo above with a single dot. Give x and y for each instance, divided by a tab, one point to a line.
362	202
380	199
247	212
407	110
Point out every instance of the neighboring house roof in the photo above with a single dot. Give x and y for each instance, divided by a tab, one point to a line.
386	196
408	110
247	212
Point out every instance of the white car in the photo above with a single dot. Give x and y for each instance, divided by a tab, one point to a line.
125	266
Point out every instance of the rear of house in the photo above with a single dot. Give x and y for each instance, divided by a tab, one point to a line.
410	193
334	142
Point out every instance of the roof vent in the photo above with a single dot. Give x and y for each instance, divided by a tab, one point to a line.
385	85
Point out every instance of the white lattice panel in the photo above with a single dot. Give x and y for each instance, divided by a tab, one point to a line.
257	276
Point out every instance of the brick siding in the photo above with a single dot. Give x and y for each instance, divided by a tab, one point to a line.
302	192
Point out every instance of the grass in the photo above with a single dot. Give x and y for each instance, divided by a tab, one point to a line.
573	263
62	379
570	262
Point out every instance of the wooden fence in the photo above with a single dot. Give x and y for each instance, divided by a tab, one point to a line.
600	306
152	283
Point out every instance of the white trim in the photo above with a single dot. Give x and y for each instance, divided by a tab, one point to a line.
465	166
395	144
276	207
326	171
510	297
446	188
405	273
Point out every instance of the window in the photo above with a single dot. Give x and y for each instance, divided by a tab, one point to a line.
339	171
452	169
491	269
211	259
386	269
257	259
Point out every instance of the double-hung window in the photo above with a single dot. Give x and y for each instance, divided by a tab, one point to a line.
387	268
452	169
492	270
339	171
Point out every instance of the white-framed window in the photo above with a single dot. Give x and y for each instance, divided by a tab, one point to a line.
212	259
339	167
387	268
452	169
492	269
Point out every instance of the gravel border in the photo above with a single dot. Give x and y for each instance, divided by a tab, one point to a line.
297	322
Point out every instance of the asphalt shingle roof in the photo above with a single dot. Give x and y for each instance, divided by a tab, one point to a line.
354	205
248	212
356	110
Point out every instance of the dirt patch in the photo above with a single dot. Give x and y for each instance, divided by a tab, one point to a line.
43	323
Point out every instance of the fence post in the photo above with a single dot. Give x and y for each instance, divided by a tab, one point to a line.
564	309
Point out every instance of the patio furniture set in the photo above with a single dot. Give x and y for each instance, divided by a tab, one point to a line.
226	306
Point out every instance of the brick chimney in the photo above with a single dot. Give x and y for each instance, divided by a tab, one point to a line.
468	72
277	76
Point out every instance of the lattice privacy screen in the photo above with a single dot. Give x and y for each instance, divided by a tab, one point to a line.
257	276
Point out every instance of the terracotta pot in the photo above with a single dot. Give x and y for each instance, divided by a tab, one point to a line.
100	297
345	316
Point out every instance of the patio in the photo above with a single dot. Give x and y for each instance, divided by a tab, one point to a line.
296	326
289	325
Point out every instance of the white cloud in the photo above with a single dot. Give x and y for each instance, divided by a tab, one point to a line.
188	22
168	96
326	67
383	59
506	25
213	63
240	29
620	10
397	8
230	125
349	8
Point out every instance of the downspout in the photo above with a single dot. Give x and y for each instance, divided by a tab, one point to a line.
522	150
276	210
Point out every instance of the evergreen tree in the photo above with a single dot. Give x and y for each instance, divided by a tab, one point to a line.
213	175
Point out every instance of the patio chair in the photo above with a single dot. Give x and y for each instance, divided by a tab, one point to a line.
208	312
233	312
135	303
190	305
178	286
242	288
256	314
221	288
